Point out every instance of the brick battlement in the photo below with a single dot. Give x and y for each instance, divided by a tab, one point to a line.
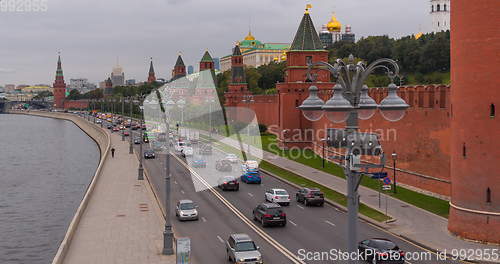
419	96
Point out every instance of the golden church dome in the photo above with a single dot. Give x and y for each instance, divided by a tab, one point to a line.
418	35
334	25
249	36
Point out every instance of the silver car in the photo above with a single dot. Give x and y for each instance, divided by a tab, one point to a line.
186	210
240	248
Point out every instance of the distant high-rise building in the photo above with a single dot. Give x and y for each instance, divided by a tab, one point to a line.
440	14
216	63
10	87
81	84
348	35
190	69
117	76
326	37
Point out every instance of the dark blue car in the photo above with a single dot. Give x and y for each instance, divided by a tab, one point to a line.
251	177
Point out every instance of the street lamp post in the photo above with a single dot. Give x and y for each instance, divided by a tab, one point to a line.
123	114
210	101
167	233
140	172
394	158
350	101
131	147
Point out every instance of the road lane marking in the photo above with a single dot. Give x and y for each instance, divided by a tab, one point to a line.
330	223
287	253
182	191
175	182
220	239
203	219
251	195
300	206
291	222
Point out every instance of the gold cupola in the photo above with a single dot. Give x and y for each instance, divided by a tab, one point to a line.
249	36
334	25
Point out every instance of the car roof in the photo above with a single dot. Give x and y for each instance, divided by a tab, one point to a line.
276	189
185	201
241	237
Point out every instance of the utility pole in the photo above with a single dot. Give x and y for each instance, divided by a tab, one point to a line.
131	147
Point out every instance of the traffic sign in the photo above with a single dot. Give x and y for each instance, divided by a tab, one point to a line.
387	180
378	175
386	187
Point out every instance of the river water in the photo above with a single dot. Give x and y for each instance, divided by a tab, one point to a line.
45	167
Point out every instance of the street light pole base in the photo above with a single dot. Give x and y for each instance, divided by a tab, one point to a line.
168	242
131	149
140	175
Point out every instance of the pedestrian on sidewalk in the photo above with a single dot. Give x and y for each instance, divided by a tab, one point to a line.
112	152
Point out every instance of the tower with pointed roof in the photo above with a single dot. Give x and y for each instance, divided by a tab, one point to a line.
151	74
179	68
306	48
59	86
238	86
206	63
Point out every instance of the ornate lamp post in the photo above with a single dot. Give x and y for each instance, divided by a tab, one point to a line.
131	146
123	114
210	101
167	234
140	175
350	101
394	158
181	103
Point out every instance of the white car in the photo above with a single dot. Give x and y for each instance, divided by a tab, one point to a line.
279	196
179	146
231	158
187	151
251	165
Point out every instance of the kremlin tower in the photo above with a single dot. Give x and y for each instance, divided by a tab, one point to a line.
238	86
475	147
59	86
108	89
206	63
151	74
179	69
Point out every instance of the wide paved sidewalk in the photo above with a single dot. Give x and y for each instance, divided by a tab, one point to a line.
413	223
122	223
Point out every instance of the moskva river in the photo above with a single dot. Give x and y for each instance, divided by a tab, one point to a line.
45	167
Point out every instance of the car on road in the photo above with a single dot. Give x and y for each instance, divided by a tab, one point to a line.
116	129
98	121
110	126
251	177
250	165
231	158
145	138
179	146
223	165
186	210
228	183
149	154
310	196
269	214
240	248
126	133
279	196
198	162
381	250
187	151
137	141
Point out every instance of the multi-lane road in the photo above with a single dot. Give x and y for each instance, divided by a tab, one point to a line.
310	231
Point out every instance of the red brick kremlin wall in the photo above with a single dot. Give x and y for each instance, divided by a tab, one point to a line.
76	104
421	139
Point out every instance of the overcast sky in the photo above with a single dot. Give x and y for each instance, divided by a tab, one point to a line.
91	34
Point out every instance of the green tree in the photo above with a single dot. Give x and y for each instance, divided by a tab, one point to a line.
74	95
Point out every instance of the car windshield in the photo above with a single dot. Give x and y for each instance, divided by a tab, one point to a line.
180	144
187	206
281	193
245	246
